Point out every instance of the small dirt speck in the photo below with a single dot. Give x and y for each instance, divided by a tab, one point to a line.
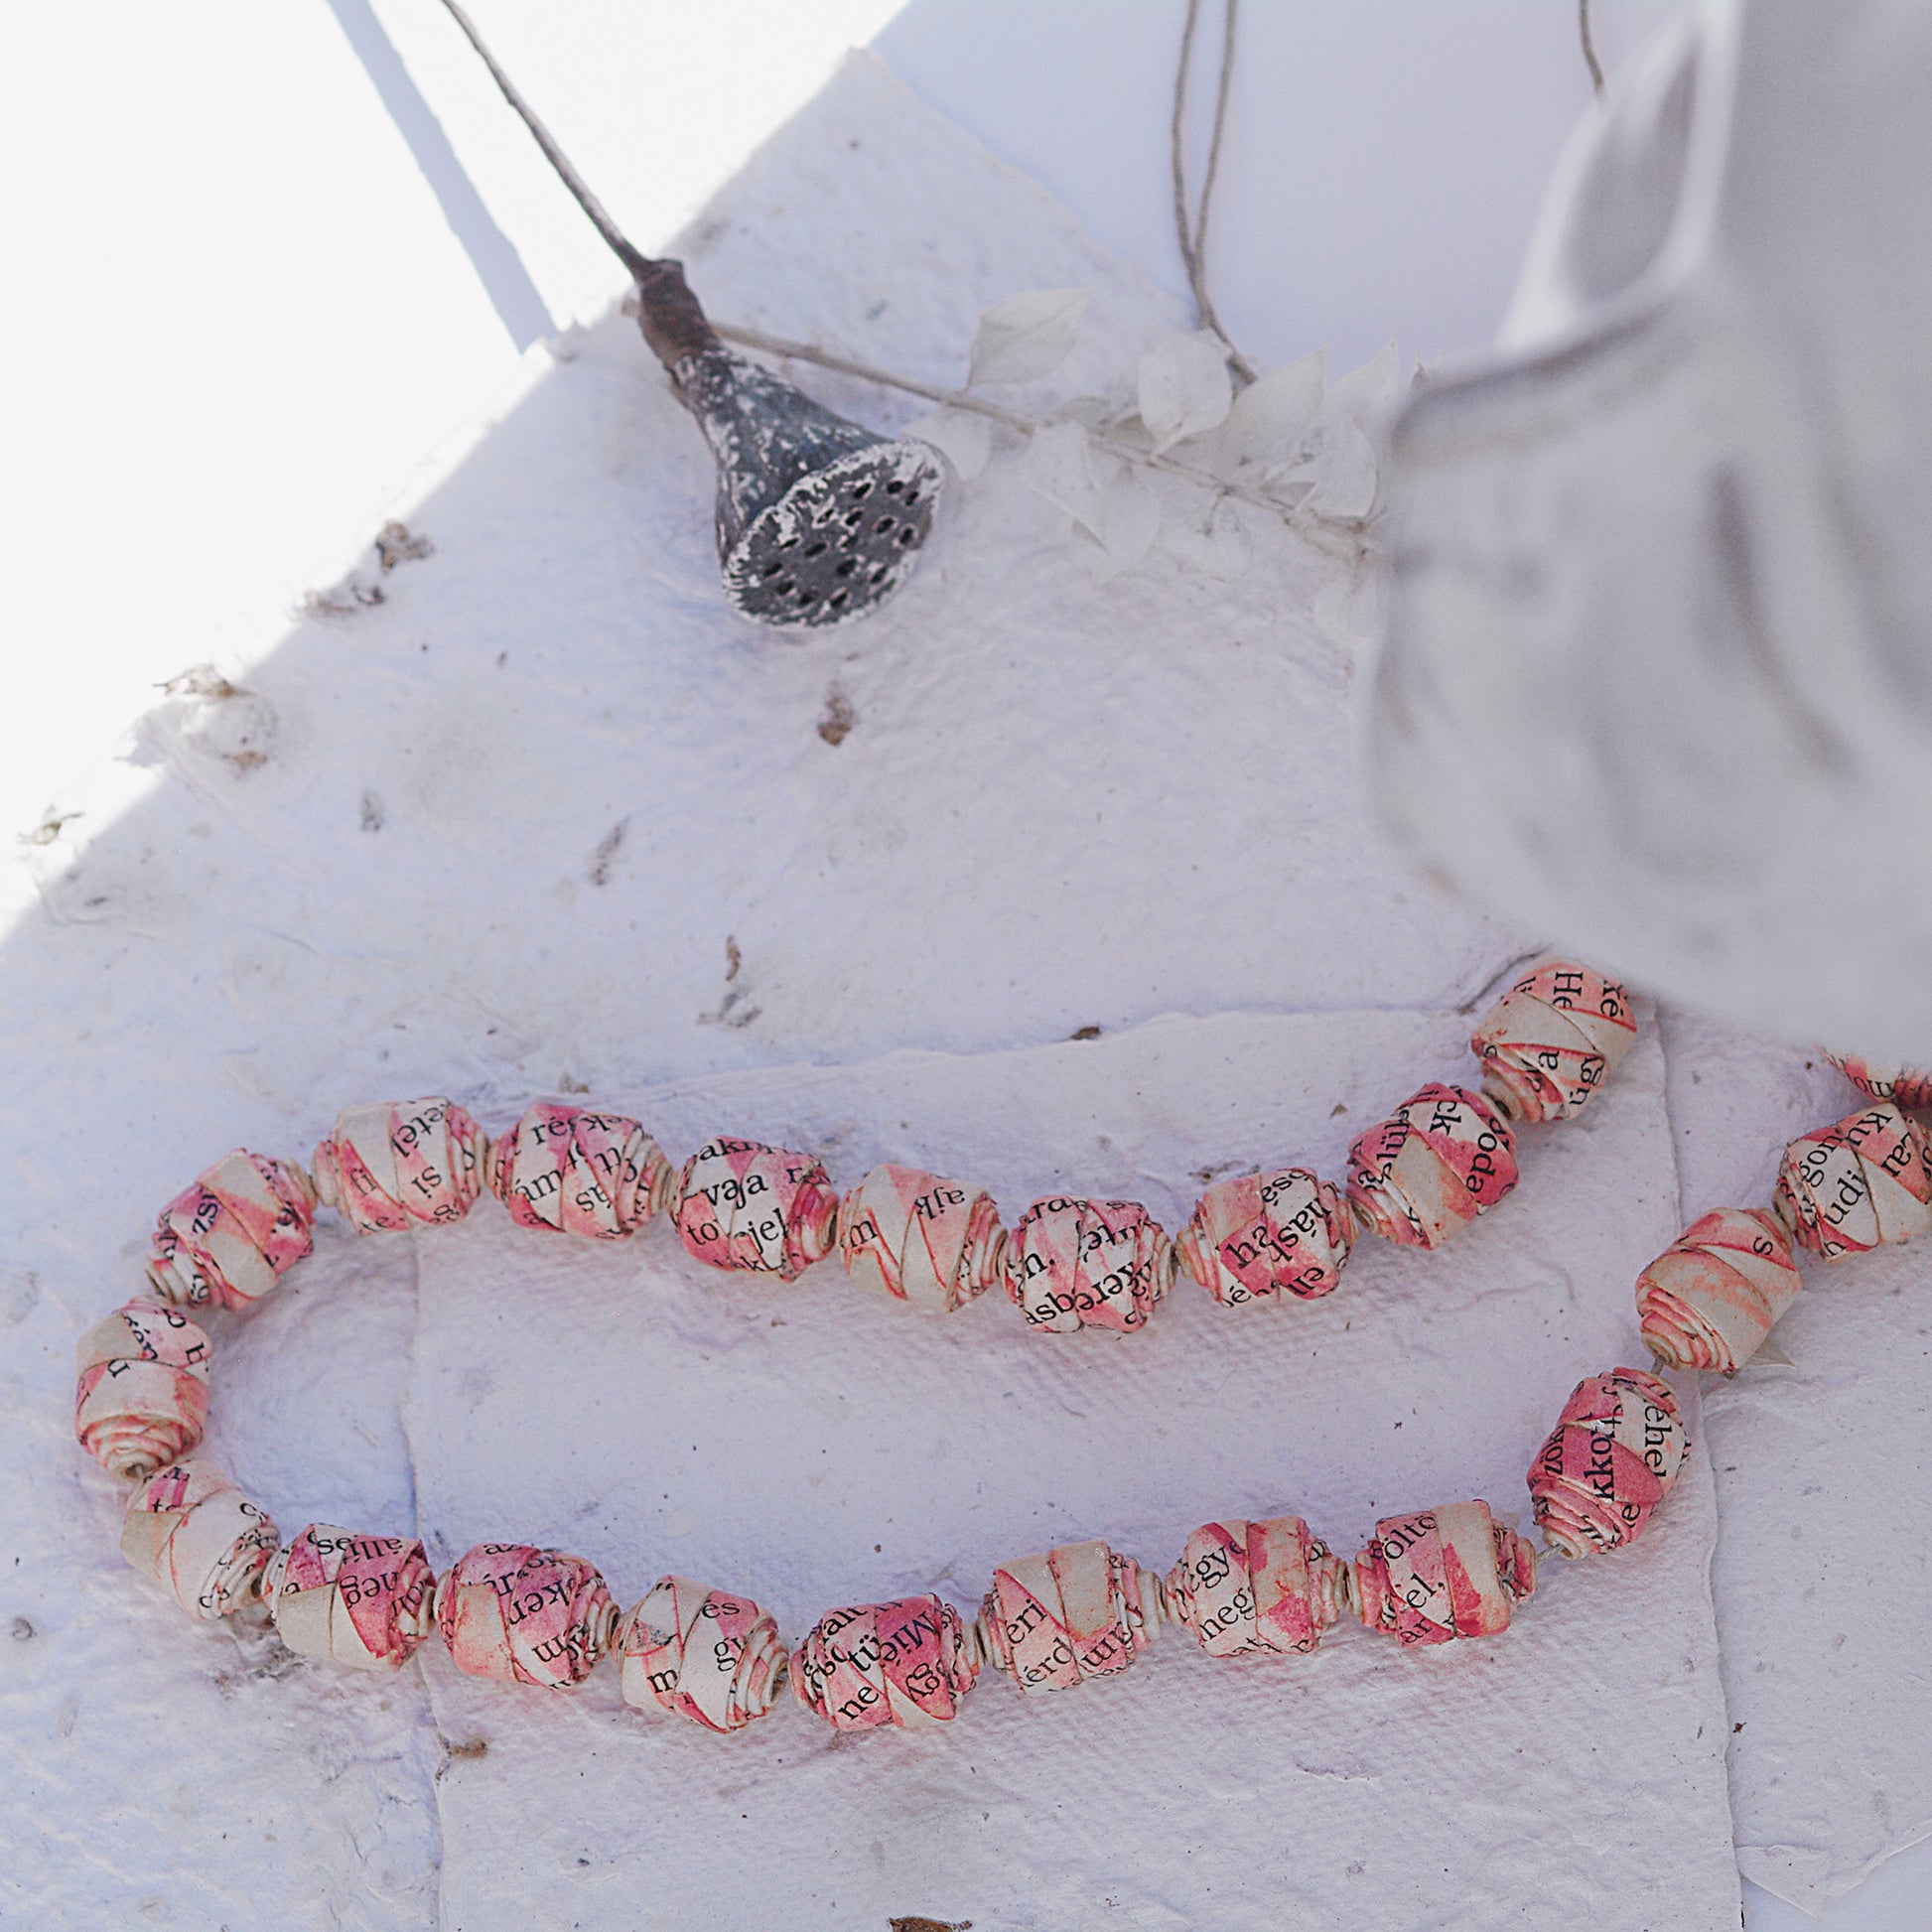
608	848
21	1632
1085	1033
372	818
835	726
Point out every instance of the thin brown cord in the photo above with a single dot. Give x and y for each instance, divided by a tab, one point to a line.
1191	231
1589	47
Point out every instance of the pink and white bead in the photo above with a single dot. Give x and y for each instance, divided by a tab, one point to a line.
1717	1290
700	1653
363	1600
1080	1611
572	1170
907	1662
1443	1157
401	1163
1552	1040
920	1238
1087	1264
1903	1086
755	1209
524	1615
141	1395
1858	1185
1268	1586
1612	1458
1441	1574
1261	1236
192	1530
225	1241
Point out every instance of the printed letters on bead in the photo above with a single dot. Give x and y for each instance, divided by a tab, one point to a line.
700	1653
906	1662
226	1240
1903	1086
919	1238
1552	1040
1080	1611
574	1171
755	1208
1264	1235
1087	1264
1610	1461
1858	1185
392	1164
1443	1157
141	1396
1441	1574
361	1601
1715	1291
199	1538
1267	1586
524	1615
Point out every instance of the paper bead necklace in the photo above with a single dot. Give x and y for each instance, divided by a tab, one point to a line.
525	1615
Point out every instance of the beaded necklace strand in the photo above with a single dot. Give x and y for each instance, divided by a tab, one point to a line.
529	1615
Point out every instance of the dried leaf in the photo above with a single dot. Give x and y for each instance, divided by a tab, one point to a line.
1185	387
1130	520
1027	335
1220	550
1344	474
1272	417
1058	466
1362	396
963	439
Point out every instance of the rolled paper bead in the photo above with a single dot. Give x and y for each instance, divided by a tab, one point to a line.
708	1656
907	1662
363	1600
524	1615
1080	1611
1858	1185
576	1172
1443	1157
199	1538
1264	1235
386	1167
1903	1086
1714	1294
1610	1461
1087	1264
1441	1574
1267	1586
919	1238
228	1239
760	1209
1552	1040
141	1397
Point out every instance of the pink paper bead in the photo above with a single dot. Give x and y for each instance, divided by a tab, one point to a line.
919	1238
141	1397
1552	1040
1443	1157
756	1208
1267	1586
1441	1574
1858	1185
907	1662
698	1652
1714	1294
391	1165
1903	1086
225	1241
574	1171
363	1600
524	1615
199	1538
1080	1611
1610	1461
1265	1235
1087	1264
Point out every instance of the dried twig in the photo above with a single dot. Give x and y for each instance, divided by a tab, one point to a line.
1192	230
1589	47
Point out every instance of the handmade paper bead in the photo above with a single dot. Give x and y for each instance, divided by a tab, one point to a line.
922	1239
696	1651
1552	1040
1087	1264
141	1397
1850	1188
1443	1157
199	1538
394	1164
1263	1235
744	1205
1080	1611
363	1600
574	1171
225	1241
1610	1461
1441	1574
1903	1086
1267	1586
901	1663
1714	1294
524	1615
